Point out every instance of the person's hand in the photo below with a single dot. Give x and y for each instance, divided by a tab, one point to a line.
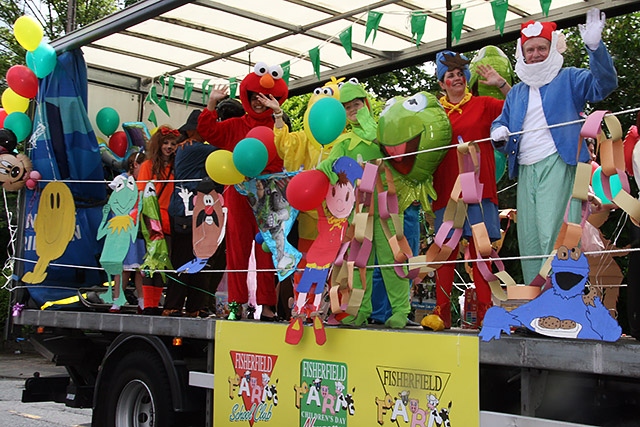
218	93
500	134
591	32
490	77
270	102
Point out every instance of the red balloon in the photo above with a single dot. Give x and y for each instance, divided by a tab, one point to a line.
23	81
307	190
265	135
3	115
118	143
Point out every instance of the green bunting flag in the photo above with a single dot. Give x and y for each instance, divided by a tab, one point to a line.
172	80
418	22
206	90
345	39
314	55
286	71
233	87
188	88
545	5
373	21
499	9
457	20
152	118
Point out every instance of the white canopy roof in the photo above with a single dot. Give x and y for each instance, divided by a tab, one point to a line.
206	39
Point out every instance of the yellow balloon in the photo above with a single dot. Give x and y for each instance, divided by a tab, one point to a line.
221	169
28	32
12	102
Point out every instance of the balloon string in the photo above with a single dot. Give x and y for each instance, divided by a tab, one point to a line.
320	157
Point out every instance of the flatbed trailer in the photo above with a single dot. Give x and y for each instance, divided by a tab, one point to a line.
523	380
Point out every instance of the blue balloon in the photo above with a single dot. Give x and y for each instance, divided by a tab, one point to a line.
327	119
250	157
259	238
596	183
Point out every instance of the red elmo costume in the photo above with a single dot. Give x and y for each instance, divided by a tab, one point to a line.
241	223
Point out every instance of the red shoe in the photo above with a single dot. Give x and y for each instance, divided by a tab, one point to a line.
318	330
114	310
294	331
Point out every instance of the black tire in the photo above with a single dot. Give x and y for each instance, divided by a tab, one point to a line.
139	394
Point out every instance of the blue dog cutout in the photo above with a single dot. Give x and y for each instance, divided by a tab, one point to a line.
563	311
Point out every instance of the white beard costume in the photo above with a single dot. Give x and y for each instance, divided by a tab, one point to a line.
541	73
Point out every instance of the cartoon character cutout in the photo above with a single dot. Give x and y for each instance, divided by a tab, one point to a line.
14	168
157	257
275	217
209	220
562	311
119	232
54	225
333	221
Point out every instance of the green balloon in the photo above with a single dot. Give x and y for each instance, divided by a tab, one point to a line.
265	247
501	164
327	119
107	120
20	124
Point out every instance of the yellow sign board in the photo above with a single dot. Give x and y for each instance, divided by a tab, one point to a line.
358	378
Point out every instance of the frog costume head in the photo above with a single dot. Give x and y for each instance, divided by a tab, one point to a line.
409	125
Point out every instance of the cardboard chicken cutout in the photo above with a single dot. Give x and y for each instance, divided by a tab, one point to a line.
120	231
54	225
333	221
157	257
275	218
562	311
209	220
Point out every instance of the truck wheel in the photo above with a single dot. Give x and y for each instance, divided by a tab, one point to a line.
139	394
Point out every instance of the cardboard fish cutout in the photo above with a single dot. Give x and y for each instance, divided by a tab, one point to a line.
562	311
120	231
275	217
333	220
209	221
54	226
157	257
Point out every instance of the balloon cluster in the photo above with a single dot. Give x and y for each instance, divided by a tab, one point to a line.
23	80
249	158
121	143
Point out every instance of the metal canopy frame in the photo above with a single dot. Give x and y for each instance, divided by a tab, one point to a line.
207	40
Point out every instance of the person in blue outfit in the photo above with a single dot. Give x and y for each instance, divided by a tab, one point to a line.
544	158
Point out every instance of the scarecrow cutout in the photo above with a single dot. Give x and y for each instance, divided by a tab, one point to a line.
209	220
563	311
333	221
119	232
275	218
157	257
54	226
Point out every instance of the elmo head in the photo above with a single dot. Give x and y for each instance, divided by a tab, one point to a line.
266	80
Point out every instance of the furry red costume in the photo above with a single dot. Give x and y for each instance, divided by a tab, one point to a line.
241	223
